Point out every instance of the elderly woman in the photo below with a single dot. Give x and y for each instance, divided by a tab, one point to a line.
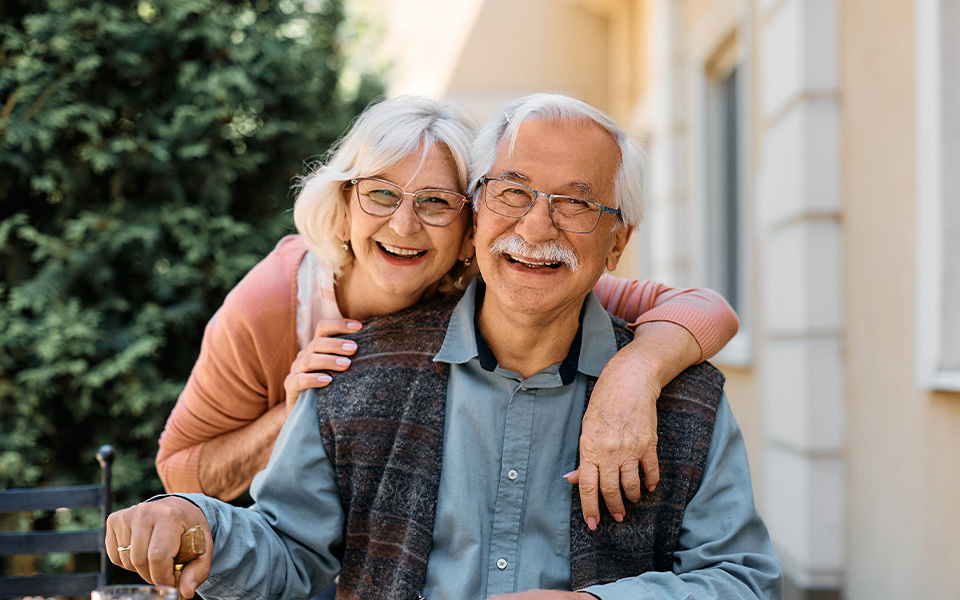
382	224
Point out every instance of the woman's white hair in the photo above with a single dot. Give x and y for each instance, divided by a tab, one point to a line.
628	188
379	139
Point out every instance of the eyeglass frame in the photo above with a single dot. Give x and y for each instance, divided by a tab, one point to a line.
537	193
416	207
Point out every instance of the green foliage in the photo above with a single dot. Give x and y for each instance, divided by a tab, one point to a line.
146	154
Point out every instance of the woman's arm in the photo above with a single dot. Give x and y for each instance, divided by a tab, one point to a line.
673	329
230	400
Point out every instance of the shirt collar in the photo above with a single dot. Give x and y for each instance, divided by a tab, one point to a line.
593	346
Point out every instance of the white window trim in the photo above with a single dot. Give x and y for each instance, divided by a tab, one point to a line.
931	266
723	18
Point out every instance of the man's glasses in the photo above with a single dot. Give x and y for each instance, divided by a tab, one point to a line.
568	213
382	198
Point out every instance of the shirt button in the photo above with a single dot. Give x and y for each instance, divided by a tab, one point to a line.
512	474
523	388
502	564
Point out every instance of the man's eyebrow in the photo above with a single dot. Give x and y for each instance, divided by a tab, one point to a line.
512	175
581	188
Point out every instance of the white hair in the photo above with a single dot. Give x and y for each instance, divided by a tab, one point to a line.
628	187
379	139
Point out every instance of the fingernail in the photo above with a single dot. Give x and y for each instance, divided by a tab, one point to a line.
591	524
354	325
324	378
650	488
567	476
349	346
343	362
618	517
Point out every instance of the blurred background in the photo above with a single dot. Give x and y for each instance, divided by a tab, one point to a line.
804	159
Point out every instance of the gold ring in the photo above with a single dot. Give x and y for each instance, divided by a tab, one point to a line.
122	548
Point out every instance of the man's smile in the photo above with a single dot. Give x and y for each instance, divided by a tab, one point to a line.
532	264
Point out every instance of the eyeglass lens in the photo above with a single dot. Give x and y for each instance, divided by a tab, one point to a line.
568	213
382	198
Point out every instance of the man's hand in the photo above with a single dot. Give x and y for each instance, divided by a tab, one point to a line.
543	595
619	435
145	538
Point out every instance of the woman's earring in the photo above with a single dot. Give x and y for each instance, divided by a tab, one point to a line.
344	246
467	261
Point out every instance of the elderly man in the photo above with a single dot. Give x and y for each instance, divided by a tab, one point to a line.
434	468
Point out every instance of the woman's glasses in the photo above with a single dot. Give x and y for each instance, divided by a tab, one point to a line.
382	198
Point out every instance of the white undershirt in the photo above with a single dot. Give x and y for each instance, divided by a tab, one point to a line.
315	298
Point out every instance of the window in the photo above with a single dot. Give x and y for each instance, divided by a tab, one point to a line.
723	188
724	193
938	195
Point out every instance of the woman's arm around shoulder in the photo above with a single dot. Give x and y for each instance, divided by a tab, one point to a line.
674	328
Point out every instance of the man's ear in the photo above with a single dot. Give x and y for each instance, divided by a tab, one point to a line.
616	251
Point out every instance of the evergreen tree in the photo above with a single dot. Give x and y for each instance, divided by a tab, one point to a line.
147	150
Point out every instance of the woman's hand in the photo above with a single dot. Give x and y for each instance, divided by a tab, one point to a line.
619	434
324	353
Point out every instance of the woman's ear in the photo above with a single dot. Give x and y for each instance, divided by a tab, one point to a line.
343	230
467	247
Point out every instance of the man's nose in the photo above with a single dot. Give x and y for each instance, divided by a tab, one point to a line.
537	225
404	221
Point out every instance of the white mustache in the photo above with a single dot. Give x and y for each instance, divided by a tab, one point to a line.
551	251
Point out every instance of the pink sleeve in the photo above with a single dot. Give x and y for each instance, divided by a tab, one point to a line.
702	312
246	352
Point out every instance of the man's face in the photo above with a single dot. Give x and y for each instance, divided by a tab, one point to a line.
519	257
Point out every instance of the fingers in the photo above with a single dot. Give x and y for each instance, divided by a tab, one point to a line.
610	489
114	528
297	382
193	574
650	463
630	481
145	538
588	477
330	327
321	354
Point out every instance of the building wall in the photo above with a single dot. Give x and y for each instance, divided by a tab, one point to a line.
903	523
855	466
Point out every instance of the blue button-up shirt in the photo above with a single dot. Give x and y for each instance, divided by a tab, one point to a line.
503	510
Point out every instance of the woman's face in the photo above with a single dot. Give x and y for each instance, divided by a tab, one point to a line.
397	258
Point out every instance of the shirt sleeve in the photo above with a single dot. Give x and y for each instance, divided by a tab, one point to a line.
247	349
703	312
724	550
283	545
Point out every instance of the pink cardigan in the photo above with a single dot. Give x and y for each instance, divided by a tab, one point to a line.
250	343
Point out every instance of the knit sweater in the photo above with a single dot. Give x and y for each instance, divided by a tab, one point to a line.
250	343
382	425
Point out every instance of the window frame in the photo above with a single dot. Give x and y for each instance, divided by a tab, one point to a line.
938	87
721	44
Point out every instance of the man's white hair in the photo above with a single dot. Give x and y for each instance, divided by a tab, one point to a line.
383	136
502	126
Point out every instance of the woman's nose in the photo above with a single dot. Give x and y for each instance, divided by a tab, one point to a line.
404	221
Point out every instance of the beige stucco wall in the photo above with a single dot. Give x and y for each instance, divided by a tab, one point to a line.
485	52
903	520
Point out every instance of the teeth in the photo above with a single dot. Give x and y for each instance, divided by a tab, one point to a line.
401	251
533	264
